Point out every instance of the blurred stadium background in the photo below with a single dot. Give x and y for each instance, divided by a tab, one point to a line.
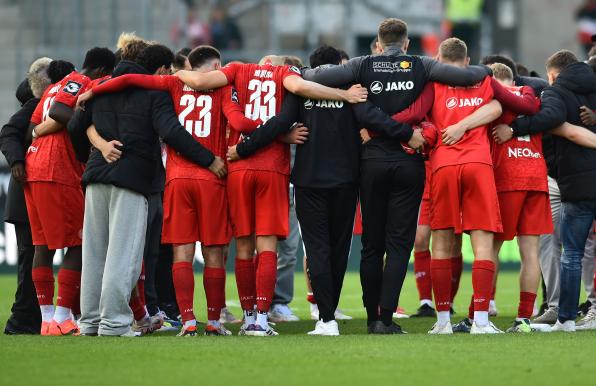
527	30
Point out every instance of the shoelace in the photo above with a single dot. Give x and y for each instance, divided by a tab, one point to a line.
591	315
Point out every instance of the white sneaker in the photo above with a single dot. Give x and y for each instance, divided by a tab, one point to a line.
441	329
400	313
492	309
339	315
490	328
329	328
282	313
567	326
314	312
588	322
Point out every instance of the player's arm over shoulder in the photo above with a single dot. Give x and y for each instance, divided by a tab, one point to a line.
453	75
207	80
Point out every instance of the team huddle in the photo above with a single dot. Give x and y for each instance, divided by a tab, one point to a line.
420	148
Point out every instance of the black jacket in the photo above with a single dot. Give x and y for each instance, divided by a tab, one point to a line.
575	165
14	147
537	84
394	80
137	118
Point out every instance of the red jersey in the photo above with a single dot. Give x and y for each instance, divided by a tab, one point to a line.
451	105
202	113
51	158
260	93
519	163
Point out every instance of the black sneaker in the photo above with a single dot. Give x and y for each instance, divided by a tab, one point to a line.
425	311
379	328
464	326
15	328
542	309
582	309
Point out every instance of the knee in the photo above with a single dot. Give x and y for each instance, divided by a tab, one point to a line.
571	261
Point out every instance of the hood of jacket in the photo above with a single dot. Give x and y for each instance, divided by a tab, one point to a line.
578	78
128	67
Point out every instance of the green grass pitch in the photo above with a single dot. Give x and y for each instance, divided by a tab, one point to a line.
294	358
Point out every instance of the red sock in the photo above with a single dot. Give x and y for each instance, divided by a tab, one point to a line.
311	298
441	283
457	266
141	284
214	282
266	278
137	305
422	268
69	285
526	305
471	308
43	278
483	272
184	284
245	281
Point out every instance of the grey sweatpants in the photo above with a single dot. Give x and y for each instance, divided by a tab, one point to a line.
113	239
550	254
286	259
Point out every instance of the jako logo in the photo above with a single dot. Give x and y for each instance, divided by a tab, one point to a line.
376	87
308	104
454	102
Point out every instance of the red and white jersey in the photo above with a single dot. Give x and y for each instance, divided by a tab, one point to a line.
260	93
51	158
519	163
451	105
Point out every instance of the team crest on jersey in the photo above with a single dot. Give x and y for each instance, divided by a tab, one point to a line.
295	69
376	87
72	88
308	104
235	96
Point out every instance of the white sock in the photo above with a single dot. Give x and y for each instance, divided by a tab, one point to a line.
214	323
481	318
262	320
443	317
190	323
492	304
47	313
249	317
61	314
427	302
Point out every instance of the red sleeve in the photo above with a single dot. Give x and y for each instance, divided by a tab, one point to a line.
234	114
230	70
526	104
289	71
71	89
36	116
151	82
416	112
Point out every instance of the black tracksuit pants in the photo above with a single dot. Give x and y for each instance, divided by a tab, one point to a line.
25	309
152	249
390	195
326	218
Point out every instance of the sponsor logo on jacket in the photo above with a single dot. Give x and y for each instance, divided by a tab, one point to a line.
377	86
454	102
324	104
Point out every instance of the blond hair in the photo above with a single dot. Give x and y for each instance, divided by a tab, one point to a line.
502	72
453	50
38	77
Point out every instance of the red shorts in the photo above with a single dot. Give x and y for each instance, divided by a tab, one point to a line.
259	203
424	214
55	214
195	210
464	197
524	213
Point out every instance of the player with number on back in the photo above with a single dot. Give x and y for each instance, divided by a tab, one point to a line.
54	196
258	185
193	195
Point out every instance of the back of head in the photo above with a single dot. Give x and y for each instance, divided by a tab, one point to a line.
38	77
133	49
490	59
502	73
393	32
324	55
180	59
204	55
23	92
522	70
453	50
273	59
58	69
560	60
344	56
125	38
155	57
99	60
292	60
